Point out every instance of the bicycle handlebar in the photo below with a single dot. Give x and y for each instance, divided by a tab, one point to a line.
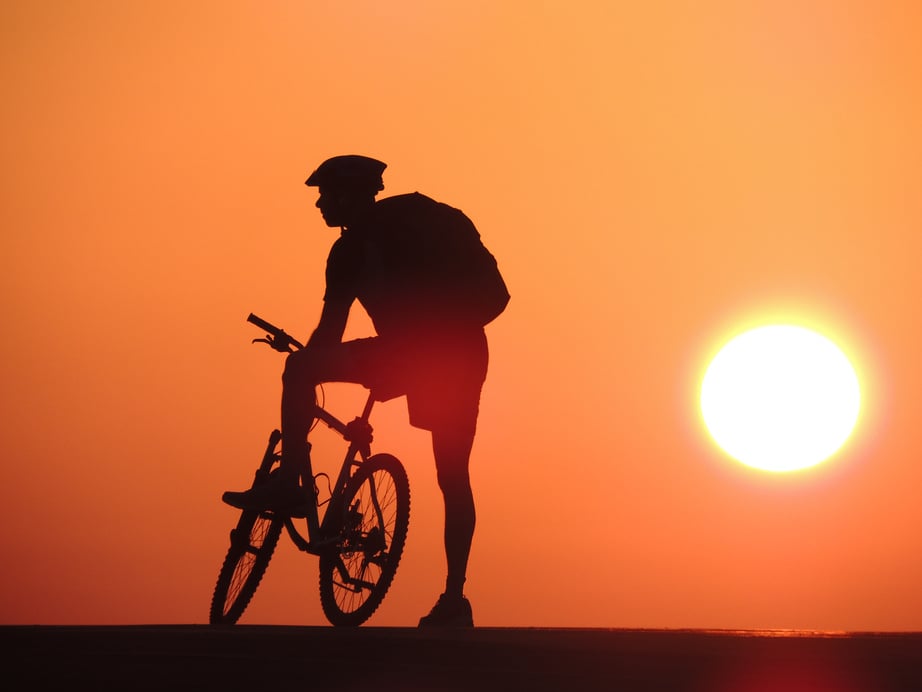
276	338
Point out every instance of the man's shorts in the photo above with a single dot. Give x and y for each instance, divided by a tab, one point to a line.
441	377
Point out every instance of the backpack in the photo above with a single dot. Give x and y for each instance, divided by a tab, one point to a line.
440	251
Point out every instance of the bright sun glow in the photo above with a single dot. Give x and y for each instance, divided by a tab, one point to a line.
780	398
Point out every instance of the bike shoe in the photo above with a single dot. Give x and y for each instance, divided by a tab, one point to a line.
449	612
275	495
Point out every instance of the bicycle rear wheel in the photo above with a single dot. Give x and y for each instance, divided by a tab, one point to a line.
252	543
375	515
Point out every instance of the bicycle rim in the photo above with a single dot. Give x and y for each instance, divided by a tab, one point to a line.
252	543
355	576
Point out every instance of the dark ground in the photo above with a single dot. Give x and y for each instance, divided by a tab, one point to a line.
322	658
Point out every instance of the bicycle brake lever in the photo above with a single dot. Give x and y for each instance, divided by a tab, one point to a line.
277	344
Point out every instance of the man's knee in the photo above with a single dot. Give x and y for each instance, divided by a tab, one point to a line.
453	441
452	451
300	370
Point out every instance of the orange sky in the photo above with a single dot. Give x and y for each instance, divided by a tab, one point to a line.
652	177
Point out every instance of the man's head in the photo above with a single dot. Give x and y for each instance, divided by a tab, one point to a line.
348	185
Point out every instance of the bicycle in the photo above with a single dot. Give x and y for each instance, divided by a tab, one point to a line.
359	537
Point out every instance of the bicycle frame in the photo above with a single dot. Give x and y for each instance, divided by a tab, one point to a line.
322	534
359	536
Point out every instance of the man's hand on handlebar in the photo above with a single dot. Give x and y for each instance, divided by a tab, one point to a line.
279	343
276	338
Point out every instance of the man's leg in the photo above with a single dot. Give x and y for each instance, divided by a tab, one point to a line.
304	370
452	450
299	394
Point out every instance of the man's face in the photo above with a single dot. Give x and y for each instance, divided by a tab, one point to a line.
340	206
330	203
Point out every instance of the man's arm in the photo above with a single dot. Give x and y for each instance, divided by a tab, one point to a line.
332	325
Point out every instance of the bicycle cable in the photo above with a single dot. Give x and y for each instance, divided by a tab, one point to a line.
329	494
321	400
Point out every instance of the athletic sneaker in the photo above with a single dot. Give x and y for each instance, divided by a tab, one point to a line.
449	612
277	494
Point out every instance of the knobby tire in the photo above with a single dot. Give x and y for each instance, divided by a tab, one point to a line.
374	518
252	543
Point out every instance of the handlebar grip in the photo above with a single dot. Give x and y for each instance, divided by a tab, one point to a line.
279	340
262	324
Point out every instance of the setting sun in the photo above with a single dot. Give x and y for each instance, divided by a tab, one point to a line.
780	398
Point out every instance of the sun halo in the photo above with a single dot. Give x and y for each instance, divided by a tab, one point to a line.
780	398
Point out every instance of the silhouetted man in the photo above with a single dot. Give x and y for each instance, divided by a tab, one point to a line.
429	286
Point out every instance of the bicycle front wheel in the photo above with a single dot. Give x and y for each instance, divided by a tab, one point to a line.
252	543
375	516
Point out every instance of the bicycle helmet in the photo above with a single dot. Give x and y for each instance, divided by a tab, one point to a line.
350	171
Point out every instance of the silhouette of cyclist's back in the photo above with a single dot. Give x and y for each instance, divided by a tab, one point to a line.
421	272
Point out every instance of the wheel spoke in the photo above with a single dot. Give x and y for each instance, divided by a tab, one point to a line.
354	580
252	544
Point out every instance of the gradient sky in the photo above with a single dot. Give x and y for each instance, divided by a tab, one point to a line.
653	178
